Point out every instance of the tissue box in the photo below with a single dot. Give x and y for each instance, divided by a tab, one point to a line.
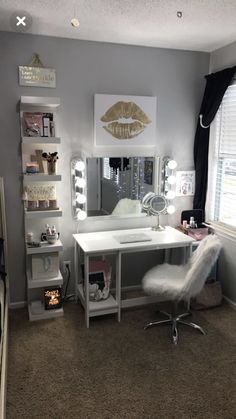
45	265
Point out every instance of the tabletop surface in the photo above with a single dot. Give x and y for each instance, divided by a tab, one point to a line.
105	241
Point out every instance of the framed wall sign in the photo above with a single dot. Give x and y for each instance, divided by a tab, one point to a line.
124	120
185	183
37	76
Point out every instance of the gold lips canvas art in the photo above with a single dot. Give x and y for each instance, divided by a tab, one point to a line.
124	118
126	110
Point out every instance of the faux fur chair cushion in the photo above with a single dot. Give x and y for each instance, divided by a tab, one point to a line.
182	282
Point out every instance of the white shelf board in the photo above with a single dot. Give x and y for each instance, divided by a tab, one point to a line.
41	283
51	102
45	248
46	314
28	178
97	308
43	213
41	140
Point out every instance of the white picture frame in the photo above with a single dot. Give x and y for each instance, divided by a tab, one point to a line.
185	183
121	120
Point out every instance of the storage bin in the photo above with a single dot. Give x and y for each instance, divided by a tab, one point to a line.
196	233
45	265
99	279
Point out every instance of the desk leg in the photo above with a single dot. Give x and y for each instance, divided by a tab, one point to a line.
76	269
86	289
188	254
118	283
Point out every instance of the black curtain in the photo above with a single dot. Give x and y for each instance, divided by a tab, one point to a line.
216	85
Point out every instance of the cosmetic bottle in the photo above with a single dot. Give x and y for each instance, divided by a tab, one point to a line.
192	222
48	229
53	230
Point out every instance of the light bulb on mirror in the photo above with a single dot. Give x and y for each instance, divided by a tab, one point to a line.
81	198
171	180
170	195
80	182
81	215
172	164
170	209
80	166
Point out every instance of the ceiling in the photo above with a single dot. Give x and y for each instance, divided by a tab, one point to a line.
205	24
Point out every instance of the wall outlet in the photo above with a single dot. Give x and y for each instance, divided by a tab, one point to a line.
65	264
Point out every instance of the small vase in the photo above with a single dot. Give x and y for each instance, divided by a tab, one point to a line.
52	167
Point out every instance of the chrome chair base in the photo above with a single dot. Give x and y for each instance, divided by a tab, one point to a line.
173	320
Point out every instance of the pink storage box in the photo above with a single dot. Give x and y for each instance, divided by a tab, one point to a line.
198	233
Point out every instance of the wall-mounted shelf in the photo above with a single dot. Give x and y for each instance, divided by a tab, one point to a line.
41	178
43	213
39	259
40	283
51	102
41	140
45	248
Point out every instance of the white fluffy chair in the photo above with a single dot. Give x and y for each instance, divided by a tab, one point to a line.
127	206
182	282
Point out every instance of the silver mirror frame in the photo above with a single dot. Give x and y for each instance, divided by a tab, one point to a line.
147	204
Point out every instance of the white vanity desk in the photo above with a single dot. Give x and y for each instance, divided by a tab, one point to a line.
107	242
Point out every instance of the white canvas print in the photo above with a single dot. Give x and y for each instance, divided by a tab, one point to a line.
124	120
185	183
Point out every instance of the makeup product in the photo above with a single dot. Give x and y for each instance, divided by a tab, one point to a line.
53	204
52	128
43	203
192	222
46	126
29	238
185	223
32	168
32	205
48	229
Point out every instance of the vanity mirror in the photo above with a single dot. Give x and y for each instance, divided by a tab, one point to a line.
115	186
155	205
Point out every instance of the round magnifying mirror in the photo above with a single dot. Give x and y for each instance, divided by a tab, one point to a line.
146	200
157	204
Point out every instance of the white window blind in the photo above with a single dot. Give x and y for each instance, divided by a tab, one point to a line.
221	200
109	173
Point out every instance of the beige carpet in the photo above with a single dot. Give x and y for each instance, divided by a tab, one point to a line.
59	369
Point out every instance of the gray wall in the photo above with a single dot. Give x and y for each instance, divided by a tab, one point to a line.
223	58
84	68
220	59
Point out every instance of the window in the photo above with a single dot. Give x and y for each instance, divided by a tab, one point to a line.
221	199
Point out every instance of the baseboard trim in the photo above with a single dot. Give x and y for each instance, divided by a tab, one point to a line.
129	288
230	302
19	304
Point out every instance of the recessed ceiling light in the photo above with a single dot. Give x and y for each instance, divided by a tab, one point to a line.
75	22
179	14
